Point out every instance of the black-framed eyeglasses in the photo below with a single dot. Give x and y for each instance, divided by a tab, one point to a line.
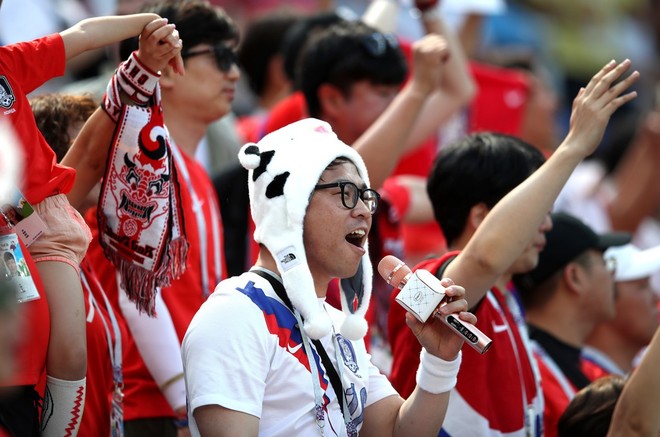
376	43
350	193
225	57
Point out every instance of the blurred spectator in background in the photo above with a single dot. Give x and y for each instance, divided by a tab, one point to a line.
613	345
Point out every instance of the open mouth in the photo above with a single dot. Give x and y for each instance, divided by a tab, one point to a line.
136	210
357	237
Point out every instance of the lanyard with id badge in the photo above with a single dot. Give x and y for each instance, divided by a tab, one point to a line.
18	218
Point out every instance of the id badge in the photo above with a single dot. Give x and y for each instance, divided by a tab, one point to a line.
117	414
14	268
21	216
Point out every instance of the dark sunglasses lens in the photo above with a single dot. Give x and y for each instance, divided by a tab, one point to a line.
225	58
376	43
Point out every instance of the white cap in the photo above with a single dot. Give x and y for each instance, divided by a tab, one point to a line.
633	263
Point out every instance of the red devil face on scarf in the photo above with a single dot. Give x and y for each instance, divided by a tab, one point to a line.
143	183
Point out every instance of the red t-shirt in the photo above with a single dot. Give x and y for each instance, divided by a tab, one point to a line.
100	382
490	387
187	294
183	298
557	394
24	67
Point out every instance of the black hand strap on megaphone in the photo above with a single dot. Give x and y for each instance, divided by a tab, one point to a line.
329	367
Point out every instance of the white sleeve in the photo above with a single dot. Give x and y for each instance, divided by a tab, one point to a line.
227	353
379	386
159	347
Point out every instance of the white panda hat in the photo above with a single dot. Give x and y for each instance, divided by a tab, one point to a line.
285	166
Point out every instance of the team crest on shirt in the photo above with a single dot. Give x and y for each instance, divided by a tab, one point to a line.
347	353
7	97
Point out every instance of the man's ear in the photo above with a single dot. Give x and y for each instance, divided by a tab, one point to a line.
575	277
331	100
477	214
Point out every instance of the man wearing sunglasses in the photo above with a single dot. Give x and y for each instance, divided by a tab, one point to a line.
155	403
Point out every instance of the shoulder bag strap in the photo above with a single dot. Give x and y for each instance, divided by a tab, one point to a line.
330	368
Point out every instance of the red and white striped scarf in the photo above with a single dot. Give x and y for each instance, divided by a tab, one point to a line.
139	215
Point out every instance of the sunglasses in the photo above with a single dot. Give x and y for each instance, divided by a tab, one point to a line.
376	43
225	57
350	193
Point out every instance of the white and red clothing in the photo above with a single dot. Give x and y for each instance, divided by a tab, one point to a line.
558	391
143	398
24	67
203	230
100	355
204	269
596	364
258	363
496	394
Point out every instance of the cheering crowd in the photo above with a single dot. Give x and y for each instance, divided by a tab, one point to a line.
196	194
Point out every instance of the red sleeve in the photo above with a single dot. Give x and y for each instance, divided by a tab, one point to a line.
34	62
397	195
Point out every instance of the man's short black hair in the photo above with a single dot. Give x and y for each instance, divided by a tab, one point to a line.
197	21
479	168
295	38
346	53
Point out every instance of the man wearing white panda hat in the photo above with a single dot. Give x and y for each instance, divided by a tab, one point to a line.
249	367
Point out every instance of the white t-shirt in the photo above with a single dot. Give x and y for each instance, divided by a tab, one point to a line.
243	351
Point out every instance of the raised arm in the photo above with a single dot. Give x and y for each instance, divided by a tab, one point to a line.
384	142
457	86
96	32
636	411
89	151
510	226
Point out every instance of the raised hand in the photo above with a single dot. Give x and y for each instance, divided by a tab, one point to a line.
434	335
595	104
429	55
160	46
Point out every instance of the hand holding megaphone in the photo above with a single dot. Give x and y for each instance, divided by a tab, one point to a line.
422	293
